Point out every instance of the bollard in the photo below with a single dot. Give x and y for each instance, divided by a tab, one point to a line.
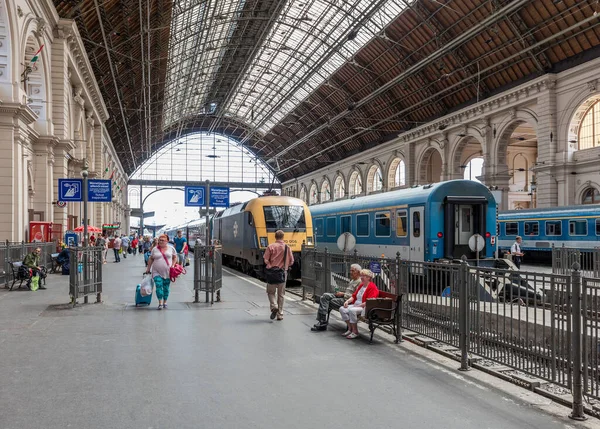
463	317
577	413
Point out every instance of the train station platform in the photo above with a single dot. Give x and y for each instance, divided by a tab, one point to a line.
113	365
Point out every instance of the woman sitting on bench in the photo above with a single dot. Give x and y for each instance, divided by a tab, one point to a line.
356	304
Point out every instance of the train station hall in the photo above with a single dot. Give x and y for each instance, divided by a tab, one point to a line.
265	213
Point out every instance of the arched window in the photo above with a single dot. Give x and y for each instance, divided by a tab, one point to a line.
591	196
355	184
473	169
325	191
313	195
374	179
303	195
339	188
397	174
589	130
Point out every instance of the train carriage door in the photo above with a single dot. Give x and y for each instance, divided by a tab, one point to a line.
417	234
463	225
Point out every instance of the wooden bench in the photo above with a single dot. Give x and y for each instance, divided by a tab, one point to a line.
377	315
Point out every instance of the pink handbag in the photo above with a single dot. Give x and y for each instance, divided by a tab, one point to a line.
175	270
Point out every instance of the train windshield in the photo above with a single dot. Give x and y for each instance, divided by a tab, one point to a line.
284	217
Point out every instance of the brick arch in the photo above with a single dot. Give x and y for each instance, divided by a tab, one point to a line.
425	174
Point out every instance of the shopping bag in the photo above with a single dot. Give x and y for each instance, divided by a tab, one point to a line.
35	283
146	286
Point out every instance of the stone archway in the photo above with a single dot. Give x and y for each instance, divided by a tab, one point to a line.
430	166
303	193
516	156
339	187
463	165
313	194
375	178
396	176
325	190
355	186
35	83
6	59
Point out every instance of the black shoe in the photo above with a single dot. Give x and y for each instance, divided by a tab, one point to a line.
274	313
43	287
318	327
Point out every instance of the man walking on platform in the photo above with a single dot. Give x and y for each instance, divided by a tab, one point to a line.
338	298
125	245
515	250
278	258
180	246
116	248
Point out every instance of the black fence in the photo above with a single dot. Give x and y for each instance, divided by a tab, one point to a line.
531	326
208	273
85	273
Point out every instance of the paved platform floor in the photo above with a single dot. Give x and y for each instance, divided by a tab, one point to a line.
111	365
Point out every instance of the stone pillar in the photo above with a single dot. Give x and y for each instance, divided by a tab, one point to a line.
411	167
546	194
43	186
61	171
446	174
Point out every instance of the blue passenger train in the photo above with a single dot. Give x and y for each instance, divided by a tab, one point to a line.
569	226
424	223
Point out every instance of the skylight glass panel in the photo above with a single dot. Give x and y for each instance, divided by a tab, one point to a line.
307	44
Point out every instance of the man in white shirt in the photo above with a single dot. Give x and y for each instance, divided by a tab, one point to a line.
515	250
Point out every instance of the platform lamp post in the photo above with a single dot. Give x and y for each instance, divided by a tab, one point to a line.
533	188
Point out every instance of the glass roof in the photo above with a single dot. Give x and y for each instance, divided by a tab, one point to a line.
306	43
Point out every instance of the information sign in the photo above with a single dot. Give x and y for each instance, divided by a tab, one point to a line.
194	196
219	196
99	191
70	190
375	267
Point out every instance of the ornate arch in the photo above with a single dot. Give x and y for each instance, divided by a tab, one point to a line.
339	186
583	188
37	74
507	127
458	149
313	194
303	193
355	183
325	190
375	178
575	112
425	170
395	163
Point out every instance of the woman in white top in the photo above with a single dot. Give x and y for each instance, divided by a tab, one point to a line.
356	304
162	258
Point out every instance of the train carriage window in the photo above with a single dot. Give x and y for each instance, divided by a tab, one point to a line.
532	228
553	227
362	225
345	224
511	228
597	226
318	224
331	227
416	224
382	224
578	227
401	221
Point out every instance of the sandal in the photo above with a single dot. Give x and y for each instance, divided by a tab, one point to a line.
159	307
348	332
352	336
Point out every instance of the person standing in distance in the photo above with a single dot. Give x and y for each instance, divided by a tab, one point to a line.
180	246
116	248
515	250
278	255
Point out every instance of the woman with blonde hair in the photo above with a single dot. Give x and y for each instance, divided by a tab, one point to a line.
162	258
355	305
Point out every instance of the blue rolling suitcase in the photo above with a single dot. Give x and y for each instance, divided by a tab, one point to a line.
141	300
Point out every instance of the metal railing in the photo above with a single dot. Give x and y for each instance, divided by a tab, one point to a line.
541	326
85	273
563	259
208	273
16	252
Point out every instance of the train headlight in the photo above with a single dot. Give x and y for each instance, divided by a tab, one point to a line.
264	242
309	240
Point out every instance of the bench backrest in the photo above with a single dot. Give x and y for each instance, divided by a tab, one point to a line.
383	294
16	265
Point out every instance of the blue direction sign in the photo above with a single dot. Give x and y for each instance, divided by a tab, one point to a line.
70	189
219	196
375	267
99	191
194	196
